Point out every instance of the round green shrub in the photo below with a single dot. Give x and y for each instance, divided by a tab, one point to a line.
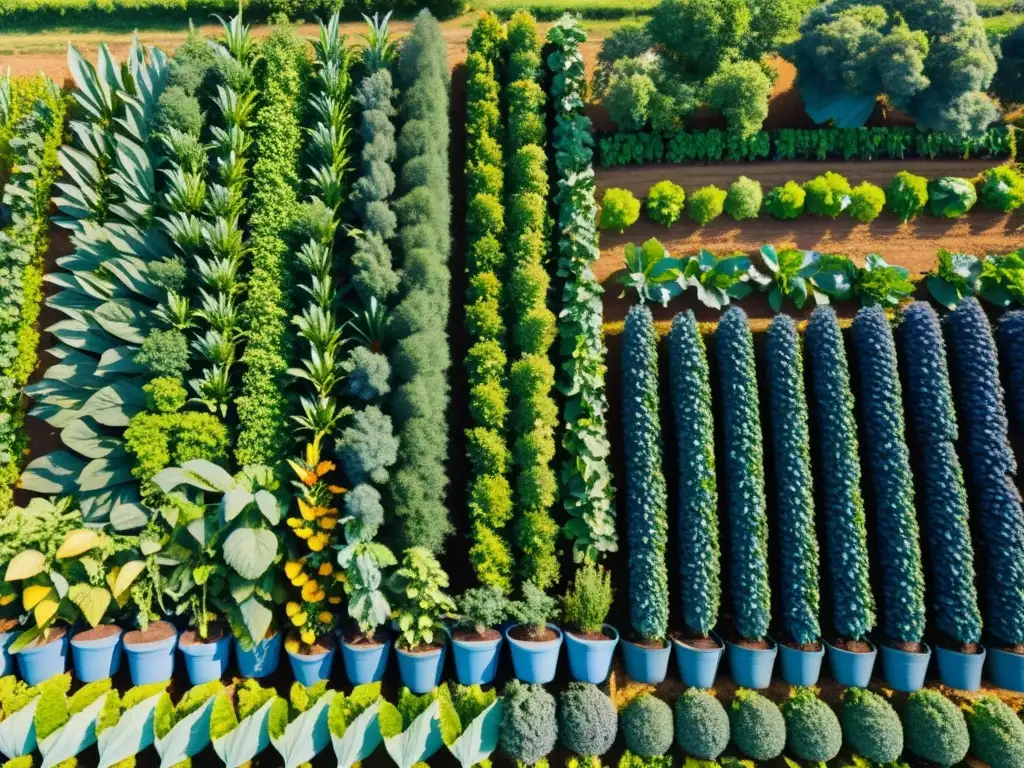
934	728
178	109
907	195
706	205
758	729
1002	189
619	209
997	734
702	725
587	720
744	198
813	732
951	197
665	202
866	202
529	728
827	194
785	201
647	726
871	726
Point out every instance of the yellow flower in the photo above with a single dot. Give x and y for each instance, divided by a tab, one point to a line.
292	644
293	522
334	600
326	569
309	590
299	619
340	577
308	636
292	608
301	579
325	617
7	599
318	541
303	533
328	523
307	512
292	569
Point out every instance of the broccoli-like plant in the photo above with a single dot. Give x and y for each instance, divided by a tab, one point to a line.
702	724
647	726
898	537
935	729
587	720
758	728
785	201
907	195
699	554
871	726
645	483
1010	337
744	468
791	442
743	200
866	202
1002	188
665	202
813	732
853	605
991	466
529	726
619	209
827	194
997	734
706	205
586	604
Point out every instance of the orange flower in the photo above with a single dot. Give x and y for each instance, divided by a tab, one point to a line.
328	523
335	489
310	590
324	467
326	569
334	600
307	512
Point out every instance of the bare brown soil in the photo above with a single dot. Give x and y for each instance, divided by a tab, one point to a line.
464	635
592	636
422	648
753	645
357	639
529	634
154	633
851	646
321	645
809	647
906	647
696	641
642	642
101	632
191	637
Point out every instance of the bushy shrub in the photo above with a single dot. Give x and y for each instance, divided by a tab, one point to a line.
951	197
619	209
871	726
700	589
743	200
702	724
367	447
587	602
647	726
853	606
1002	188
1010	337
785	201
888	461
587	720
997	734
798	541
907	195
528	724
758	729
744	475
812	728
866	202
179	109
706	205
665	202
932	420
992	465
934	728
827	194
164	353
740	91
645	483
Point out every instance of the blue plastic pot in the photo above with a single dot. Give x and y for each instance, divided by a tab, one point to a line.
752	667
960	670
309	669
96	659
476	662
6	661
151	662
535	662
646	665
590	661
905	671
800	667
365	663
420	672
262	659
41	662
851	669
698	667
1005	669
206	662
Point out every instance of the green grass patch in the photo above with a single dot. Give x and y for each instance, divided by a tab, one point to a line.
1000	26
550	10
998	7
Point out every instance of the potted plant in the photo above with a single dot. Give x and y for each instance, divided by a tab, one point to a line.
298	725
124	727
472	735
238	722
181	731
354	723
534	641
475	641
421	603
589	641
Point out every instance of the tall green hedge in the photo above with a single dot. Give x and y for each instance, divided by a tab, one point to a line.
700	589
1010	335
888	462
744	476
791	443
853	605
991	467
645	484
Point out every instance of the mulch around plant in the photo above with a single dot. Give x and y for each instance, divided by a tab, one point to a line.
101	632
154	633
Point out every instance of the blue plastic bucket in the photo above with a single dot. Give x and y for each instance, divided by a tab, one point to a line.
420	672
37	663
206	662
151	662
262	659
752	667
1005	669
646	665
535	662
590	661
800	667
310	669
365	663
96	659
905	671
6	660
698	667
851	669
476	661
960	670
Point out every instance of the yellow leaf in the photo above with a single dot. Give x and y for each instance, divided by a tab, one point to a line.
78	543
25	565
46	610
126	577
35	594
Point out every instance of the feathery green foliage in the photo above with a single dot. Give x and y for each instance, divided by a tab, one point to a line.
871	726
813	732
702	724
997	734
935	729
647	726
757	726
528	722
587	720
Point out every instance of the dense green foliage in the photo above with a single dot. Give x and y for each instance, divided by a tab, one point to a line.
665	202
702	724
997	734
619	209
951	197
871	726
1002	188
1010	337
587	720
786	201
529	726
587	602
812	729
706	204
1008	83
743	200
866	202
827	194
757	726
647	726
935	729
907	195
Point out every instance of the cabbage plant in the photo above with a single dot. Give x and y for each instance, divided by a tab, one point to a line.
790	272
956	276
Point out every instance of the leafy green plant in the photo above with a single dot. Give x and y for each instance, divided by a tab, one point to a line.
652	272
813	732
883	284
587	602
935	729
665	202
297	726
587	720
420	600
236	715
871	727
354	725
706	204
702	724
866	202
956	276
124	727
743	200
18	703
785	201
835	280
173	724
997	735
790	272
619	209
413	728
482	609
1002	279
1002	188
647	726
529	727
66	725
719	280
472	735
907	195
827	195
951	197
535	609
757	726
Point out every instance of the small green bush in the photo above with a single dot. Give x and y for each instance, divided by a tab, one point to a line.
907	195
586	604
647	726
619	209
702	725
866	202
529	728
827	194
744	198
813	732
179	109
934	728
665	202
951	197
785	201
587	720
758	729
706	205
1002	188
871	726
997	734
